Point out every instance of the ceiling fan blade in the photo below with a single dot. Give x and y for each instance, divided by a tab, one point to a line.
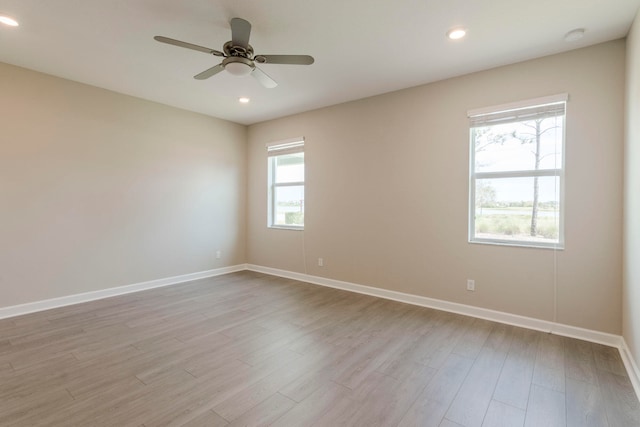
180	43
240	32
210	72
284	59
263	78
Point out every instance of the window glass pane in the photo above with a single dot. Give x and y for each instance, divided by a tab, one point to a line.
527	145
289	168
289	205
506	209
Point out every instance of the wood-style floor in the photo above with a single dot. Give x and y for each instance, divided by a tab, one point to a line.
250	349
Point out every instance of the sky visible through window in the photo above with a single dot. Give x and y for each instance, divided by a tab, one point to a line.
290	168
514	155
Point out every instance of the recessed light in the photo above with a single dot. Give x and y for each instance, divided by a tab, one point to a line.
244	100
574	35
456	33
7	20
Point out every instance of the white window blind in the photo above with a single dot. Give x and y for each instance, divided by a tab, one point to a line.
290	146
550	106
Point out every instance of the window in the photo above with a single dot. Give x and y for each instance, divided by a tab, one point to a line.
517	173
286	184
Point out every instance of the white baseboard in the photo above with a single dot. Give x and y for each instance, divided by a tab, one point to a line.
17	310
631	366
482	313
466	310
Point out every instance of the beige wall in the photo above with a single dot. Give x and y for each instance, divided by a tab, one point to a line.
100	190
387	193
631	288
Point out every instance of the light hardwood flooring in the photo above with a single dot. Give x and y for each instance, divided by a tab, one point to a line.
247	349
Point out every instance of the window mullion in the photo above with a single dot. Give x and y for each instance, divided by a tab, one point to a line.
288	184
517	174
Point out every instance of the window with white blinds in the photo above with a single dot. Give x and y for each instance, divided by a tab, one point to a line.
286	184
516	174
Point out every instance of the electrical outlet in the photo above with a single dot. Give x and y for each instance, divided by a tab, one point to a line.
320	262
471	285
218	254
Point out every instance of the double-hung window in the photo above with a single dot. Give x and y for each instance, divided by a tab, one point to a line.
286	184
517	173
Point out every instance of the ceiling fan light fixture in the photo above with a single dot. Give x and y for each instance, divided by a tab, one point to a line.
456	33
238	66
238	69
7	20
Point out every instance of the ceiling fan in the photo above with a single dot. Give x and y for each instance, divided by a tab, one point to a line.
239	59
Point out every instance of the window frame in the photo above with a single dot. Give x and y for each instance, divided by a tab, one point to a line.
275	150
559	172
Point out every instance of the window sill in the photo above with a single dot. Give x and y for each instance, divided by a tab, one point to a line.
286	227
519	244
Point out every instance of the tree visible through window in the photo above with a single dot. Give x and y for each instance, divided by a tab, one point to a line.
286	184
516	174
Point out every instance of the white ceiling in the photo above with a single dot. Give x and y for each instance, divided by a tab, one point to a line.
361	47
